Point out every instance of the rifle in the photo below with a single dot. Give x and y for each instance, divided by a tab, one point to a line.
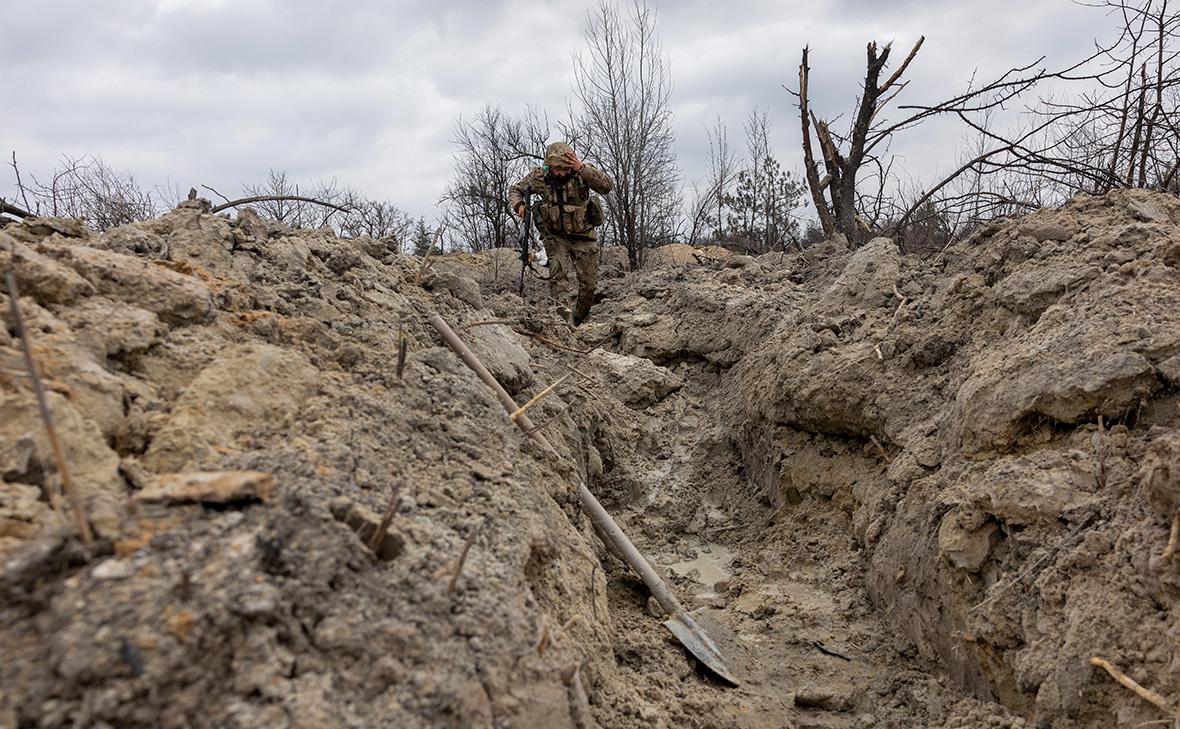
525	241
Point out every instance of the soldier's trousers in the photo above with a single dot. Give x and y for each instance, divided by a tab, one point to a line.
572	257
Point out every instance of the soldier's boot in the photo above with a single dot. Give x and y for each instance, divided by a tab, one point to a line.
582	307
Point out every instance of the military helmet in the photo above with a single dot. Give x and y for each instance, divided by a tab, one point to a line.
555	154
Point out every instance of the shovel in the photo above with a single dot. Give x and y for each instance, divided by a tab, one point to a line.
691	635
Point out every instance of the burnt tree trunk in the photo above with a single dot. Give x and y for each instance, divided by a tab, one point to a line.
839	209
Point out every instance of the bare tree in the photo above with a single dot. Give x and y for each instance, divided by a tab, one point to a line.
89	189
706	215
839	212
623	89
723	168
493	150
1104	136
378	219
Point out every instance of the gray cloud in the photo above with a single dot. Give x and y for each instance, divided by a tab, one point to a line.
200	91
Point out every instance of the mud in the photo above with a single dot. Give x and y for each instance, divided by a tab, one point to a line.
905	492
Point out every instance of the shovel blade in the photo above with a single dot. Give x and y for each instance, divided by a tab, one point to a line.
693	637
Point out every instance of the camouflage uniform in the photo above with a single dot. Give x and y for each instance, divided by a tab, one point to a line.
560	217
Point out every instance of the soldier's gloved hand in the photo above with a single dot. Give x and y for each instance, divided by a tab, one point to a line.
572	161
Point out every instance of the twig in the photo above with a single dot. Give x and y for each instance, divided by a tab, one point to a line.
1170	551
904	64
19	184
462	560
67	483
425	265
819	646
489	322
1100	452
897	311
543	638
276	198
545	424
538	397
1143	693
877	349
594	590
402	348
1073	533
551	343
880	448
378	537
579	705
215	192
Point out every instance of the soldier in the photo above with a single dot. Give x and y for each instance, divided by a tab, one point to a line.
563	185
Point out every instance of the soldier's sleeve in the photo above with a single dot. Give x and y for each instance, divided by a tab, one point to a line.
526	184
597	179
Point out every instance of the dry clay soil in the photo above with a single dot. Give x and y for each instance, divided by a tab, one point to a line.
905	492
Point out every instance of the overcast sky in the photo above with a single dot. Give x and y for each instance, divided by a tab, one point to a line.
212	92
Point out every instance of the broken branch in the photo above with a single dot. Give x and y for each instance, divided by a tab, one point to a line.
43	404
904	64
13	210
378	538
276	198
1128	682
462	560
1170	551
215	192
490	322
551	343
538	397
402	349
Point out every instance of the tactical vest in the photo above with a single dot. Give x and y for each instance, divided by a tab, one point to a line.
563	206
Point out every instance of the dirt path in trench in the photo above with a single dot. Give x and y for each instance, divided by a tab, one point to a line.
787	583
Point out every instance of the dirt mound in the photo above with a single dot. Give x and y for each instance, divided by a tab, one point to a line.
919	492
994	426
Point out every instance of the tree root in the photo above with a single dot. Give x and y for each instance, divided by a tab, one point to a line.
1146	694
1173	538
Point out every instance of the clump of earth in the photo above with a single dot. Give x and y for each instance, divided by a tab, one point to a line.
908	491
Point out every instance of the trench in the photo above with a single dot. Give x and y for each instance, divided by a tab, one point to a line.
785	577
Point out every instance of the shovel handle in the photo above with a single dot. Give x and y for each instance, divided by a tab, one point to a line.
606	524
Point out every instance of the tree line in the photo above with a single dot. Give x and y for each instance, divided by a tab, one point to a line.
1032	136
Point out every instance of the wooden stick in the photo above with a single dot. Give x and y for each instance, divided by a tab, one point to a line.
489	322
1127	681
579	704
538	397
557	415
904	300
426	257
901	69
1050	553
67	483
1170	551
543	638
274	198
6	207
378	537
462	560
551	343
401	350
